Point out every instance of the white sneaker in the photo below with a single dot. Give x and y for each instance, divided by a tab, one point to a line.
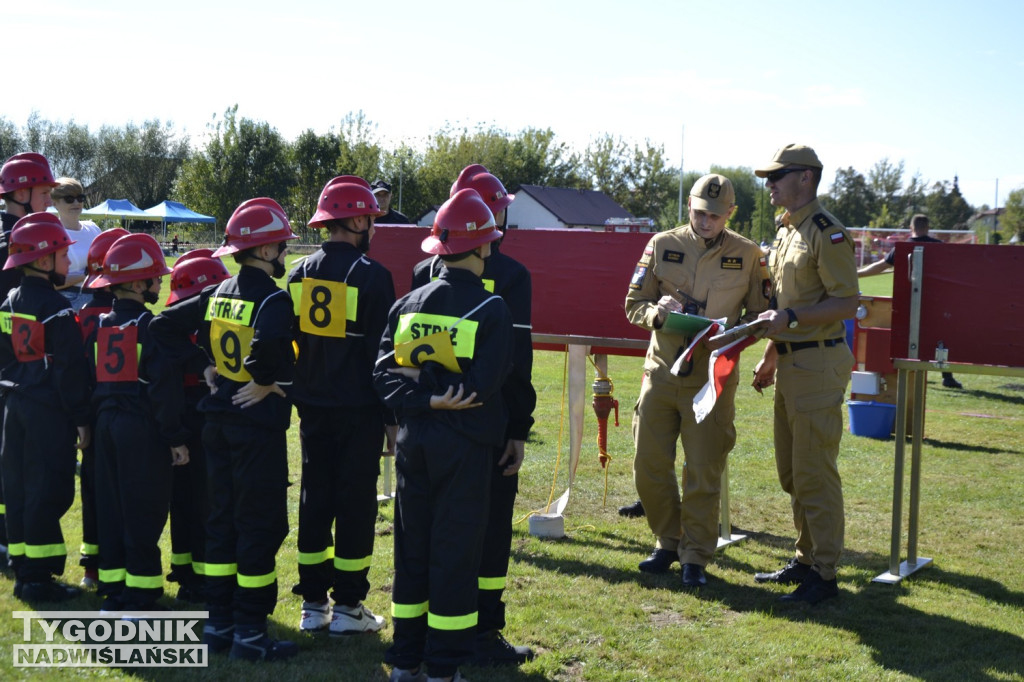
415	675
352	621
315	616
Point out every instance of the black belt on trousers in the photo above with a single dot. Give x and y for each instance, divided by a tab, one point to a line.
794	346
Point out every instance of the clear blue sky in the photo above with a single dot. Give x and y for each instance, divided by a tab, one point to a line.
939	85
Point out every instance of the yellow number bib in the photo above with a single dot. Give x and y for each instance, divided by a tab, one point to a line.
231	344
437	347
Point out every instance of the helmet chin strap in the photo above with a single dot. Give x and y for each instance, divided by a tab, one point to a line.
26	205
274	263
55	278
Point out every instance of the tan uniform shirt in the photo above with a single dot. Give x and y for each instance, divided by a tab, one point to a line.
812	259
727	275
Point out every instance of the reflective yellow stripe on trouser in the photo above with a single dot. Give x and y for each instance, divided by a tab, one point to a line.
452	622
257	581
45	551
89	549
491	583
409	610
352	565
149	582
221	570
315	558
112	575
181	559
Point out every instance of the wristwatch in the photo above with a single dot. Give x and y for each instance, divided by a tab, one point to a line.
793	322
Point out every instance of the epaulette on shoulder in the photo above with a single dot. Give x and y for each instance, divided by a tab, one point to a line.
822	221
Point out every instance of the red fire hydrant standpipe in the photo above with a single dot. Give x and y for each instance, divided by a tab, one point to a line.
603	404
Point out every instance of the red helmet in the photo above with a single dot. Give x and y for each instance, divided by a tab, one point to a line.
98	251
343	199
487	186
463	223
351	179
25	170
194	253
35	236
131	258
254	223
192	275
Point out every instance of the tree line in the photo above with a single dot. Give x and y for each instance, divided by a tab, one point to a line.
238	158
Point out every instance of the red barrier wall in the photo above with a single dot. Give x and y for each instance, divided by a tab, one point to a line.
970	302
580	278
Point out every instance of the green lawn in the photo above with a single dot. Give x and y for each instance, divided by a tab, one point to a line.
581	603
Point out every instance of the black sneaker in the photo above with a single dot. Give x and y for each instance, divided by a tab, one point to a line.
45	591
259	646
633	511
949	382
492	649
792	573
813	590
218	637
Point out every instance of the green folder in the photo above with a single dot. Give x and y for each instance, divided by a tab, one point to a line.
687	324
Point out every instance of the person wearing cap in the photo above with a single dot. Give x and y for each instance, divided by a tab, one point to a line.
245	325
701	268
389	216
341	300
69	199
133	463
813	290
443	360
26	182
919	231
507	277
44	376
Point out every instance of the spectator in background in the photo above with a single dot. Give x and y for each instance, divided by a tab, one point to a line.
919	229
69	200
382	193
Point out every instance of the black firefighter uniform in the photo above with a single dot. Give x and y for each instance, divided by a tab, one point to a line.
723	277
443	460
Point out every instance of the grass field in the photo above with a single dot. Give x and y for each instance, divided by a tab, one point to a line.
581	603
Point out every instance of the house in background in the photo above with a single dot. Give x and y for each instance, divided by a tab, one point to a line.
537	206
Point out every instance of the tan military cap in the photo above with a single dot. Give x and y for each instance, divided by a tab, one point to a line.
790	155
713	193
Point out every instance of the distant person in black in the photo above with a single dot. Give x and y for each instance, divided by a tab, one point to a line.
919	228
382	193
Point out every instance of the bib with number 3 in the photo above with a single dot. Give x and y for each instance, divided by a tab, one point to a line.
231	343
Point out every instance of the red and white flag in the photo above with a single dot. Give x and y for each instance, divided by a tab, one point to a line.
720	366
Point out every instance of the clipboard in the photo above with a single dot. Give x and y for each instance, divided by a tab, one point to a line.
684	323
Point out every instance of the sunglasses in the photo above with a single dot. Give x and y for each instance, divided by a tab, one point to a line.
72	199
775	176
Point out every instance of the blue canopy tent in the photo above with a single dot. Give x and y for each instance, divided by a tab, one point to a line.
174	212
117	208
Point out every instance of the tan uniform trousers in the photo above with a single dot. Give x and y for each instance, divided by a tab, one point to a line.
809	390
664	415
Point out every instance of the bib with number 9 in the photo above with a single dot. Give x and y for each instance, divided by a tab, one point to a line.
231	343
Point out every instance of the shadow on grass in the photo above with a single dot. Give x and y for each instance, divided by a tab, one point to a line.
927	646
966	447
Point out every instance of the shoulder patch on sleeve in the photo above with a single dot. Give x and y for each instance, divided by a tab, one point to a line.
638	276
822	221
837	237
648	252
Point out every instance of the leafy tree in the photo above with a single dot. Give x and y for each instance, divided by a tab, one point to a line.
10	139
946	207
913	198
139	163
243	159
315	160
850	199
885	181
1012	220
